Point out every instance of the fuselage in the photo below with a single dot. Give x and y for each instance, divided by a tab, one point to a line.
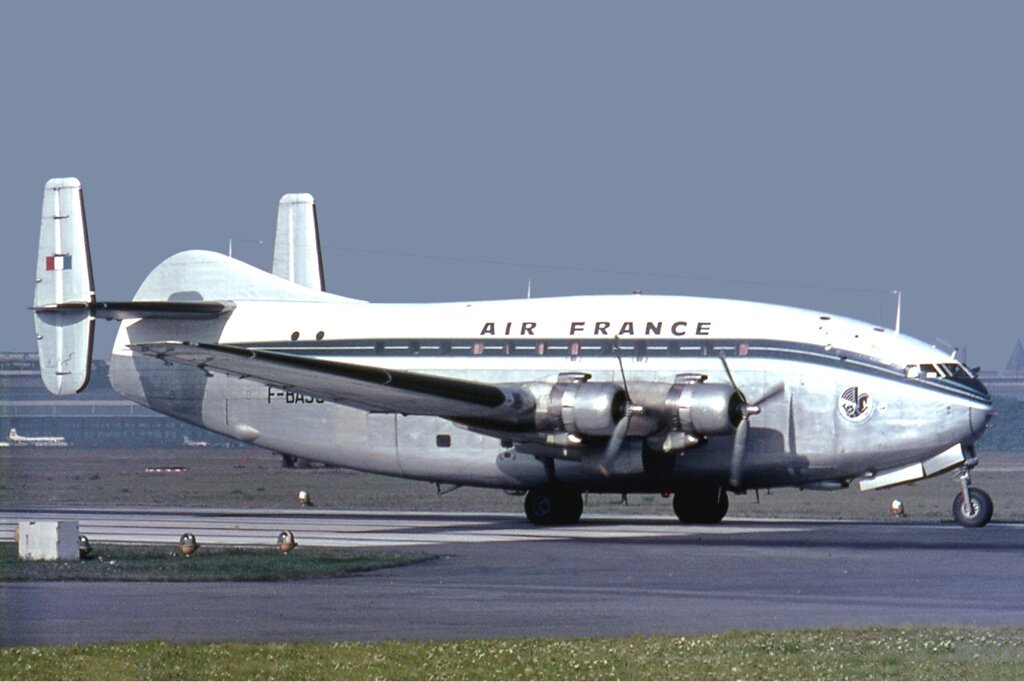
857	398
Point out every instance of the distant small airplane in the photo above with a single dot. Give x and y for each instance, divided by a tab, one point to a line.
47	441
695	397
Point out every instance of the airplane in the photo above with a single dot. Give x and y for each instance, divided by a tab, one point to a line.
51	441
554	397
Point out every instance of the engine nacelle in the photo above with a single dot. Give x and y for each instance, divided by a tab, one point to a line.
578	408
703	409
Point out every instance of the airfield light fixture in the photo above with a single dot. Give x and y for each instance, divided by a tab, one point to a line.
304	499
84	548
897	509
188	544
286	541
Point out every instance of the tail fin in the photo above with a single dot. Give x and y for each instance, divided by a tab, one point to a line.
297	243
64	292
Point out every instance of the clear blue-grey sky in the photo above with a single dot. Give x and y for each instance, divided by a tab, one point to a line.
812	154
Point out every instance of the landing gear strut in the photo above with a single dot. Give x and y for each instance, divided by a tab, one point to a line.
972	507
707	504
552	504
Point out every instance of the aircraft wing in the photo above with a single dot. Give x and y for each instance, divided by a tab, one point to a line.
362	386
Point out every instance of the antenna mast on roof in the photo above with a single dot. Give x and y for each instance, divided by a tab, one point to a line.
899	301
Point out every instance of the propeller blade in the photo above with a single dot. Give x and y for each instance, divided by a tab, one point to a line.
771	393
739	450
617	438
615	442
721	356
622	369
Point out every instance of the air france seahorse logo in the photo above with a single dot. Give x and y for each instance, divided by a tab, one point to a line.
854	405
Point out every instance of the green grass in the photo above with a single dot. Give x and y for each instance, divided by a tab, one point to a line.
912	653
166	564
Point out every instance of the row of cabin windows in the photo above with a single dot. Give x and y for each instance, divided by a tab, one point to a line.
638	349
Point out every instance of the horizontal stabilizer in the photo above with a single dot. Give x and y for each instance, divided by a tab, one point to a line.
130	310
297	242
63	289
167	310
362	386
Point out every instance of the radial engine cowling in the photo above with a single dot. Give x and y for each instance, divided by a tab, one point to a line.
704	409
578	408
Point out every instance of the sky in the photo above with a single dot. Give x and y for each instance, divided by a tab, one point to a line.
820	155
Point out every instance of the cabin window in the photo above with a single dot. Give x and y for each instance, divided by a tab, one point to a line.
320	336
444	440
295	336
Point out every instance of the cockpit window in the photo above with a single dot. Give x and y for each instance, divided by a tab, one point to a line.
957	371
948	370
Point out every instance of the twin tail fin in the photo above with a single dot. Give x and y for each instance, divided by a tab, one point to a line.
64	293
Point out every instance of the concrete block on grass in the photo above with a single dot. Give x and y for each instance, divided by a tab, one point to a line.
48	540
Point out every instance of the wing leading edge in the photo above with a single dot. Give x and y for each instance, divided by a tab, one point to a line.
362	386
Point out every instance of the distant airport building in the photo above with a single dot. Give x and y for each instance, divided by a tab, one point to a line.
96	417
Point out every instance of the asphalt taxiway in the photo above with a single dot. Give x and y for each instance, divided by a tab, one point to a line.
498	576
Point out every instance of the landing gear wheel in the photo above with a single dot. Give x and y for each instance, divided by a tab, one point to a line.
549	505
977	513
701	505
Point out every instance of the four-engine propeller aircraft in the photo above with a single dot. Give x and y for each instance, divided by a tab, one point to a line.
14	438
553	396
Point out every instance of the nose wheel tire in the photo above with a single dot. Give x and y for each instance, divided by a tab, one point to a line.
551	505
975	514
701	505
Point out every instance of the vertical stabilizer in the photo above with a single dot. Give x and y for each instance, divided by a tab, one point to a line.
297	243
64	289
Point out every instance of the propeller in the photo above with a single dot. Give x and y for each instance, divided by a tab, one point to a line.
746	410
618	437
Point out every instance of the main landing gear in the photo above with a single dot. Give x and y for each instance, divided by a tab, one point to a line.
552	504
707	504
972	507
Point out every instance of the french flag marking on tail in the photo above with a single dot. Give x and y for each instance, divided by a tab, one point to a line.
58	262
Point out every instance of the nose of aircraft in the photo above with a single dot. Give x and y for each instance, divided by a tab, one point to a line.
980	418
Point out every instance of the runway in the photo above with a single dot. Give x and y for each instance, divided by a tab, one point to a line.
498	576
354	529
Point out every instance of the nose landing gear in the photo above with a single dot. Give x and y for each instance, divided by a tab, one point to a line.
972	507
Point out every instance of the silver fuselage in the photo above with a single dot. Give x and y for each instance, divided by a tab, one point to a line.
855	400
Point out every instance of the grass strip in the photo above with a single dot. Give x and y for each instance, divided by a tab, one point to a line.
830	654
166	564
